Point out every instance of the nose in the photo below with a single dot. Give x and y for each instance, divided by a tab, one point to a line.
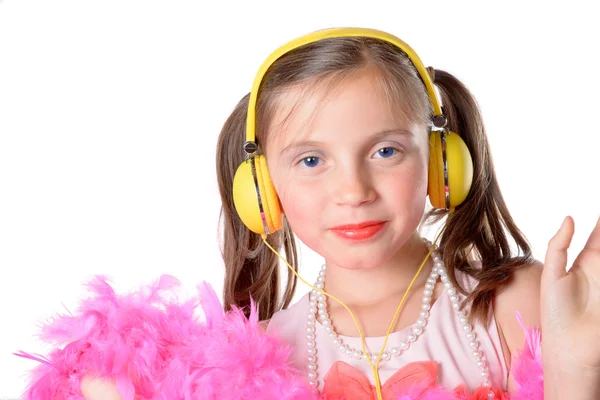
353	187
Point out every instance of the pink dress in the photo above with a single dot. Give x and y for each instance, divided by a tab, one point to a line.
442	341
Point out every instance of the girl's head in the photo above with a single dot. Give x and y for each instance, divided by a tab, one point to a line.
344	126
357	157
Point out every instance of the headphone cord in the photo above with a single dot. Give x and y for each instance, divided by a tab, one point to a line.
375	367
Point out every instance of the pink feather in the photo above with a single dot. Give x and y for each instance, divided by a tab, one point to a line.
154	348
526	368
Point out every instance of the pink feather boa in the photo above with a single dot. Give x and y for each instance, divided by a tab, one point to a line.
156	348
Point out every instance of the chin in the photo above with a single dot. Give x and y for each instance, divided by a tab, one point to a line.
366	255
360	259
354	265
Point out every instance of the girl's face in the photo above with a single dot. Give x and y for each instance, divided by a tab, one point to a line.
356	163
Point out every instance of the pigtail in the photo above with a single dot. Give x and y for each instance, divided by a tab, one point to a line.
251	269
481	227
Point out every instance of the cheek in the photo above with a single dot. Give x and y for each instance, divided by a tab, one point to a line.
408	183
409	201
302	207
298	202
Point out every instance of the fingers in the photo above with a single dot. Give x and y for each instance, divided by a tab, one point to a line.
99	389
555	264
589	258
593	242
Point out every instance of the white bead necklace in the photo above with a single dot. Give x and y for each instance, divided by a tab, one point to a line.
318	306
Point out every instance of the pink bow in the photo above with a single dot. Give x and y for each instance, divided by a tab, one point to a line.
343	381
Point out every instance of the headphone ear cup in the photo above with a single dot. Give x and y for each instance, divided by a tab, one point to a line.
244	198
246	201
435	185
460	170
268	195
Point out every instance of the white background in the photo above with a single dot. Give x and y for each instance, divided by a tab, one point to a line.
110	111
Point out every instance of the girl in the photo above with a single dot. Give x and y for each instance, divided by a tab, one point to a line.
350	130
344	125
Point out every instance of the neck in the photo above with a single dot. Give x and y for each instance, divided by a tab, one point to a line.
364	287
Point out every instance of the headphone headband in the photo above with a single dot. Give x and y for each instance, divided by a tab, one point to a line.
450	171
250	146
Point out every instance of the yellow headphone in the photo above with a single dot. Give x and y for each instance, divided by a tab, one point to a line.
450	163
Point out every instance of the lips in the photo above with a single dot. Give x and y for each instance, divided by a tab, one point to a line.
358	232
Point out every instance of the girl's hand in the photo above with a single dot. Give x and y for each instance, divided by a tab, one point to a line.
570	317
99	389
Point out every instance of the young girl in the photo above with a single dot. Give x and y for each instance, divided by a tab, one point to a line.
353	143
344	123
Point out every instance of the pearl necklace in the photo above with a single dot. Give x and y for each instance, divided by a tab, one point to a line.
318	305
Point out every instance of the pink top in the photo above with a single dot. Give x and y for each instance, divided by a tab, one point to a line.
443	340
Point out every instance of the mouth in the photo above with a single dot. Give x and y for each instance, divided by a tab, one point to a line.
359	232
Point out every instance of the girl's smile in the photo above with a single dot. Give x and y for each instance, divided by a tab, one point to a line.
359	232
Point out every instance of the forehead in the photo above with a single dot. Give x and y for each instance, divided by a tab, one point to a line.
326	109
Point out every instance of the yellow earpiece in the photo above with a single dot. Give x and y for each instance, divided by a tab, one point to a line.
450	163
450	170
255	198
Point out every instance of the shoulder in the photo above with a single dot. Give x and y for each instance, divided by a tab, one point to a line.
521	294
286	316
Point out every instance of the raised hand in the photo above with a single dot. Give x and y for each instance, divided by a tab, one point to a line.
99	389
570	316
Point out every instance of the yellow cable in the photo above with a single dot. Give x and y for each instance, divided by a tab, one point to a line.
376	368
362	339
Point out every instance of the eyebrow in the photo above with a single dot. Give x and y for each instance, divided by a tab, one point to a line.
376	135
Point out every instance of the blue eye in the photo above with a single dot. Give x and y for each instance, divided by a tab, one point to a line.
310	161
386	152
